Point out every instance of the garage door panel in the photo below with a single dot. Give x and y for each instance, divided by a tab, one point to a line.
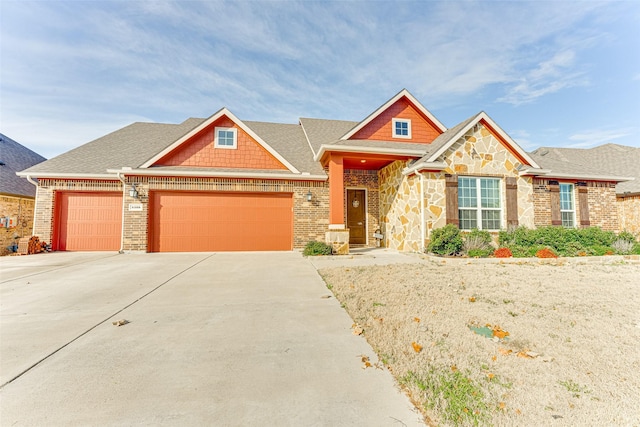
205	221
88	221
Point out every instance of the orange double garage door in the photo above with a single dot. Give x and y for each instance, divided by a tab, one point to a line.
205	221
178	221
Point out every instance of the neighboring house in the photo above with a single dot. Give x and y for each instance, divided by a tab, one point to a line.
609	159
221	184
17	195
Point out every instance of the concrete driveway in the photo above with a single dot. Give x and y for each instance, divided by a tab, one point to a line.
230	339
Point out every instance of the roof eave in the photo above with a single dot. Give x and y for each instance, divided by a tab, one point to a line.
546	173
218	174
65	175
327	148
437	166
493	125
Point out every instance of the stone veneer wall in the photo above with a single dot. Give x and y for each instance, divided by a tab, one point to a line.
601	197
20	209
365	179
629	214
310	219
400	208
477	153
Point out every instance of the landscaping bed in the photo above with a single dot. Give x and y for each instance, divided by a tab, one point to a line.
528	343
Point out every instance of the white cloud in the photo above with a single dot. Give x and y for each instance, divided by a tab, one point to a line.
91	65
593	137
553	75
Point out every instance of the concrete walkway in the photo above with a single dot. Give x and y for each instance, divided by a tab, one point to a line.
230	339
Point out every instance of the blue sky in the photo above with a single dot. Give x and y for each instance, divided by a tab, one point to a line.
550	73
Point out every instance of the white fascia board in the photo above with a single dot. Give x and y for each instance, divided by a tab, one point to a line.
54	175
533	171
424	165
483	116
219	174
366	150
304	131
587	177
389	103
222	112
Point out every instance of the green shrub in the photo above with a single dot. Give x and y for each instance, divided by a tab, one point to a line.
481	235
563	241
479	253
595	236
636	249
446	240
477	243
627	237
317	248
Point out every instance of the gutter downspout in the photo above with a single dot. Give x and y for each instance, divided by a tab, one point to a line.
422	228
124	190
35	205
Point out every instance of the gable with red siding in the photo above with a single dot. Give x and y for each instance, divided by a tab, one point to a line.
380	128
200	151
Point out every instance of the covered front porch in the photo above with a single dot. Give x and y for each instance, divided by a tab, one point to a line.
356	214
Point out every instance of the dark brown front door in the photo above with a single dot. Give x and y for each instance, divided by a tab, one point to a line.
356	217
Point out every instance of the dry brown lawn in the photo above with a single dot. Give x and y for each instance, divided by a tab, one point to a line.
571	356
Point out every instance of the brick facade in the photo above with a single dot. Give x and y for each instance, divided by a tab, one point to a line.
310	219
20	211
600	195
602	205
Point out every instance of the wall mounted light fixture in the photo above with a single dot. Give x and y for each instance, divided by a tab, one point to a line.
133	192
309	196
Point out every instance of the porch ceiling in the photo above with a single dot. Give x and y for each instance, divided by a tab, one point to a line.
365	161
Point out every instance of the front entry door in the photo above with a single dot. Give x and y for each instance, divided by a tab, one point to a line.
356	217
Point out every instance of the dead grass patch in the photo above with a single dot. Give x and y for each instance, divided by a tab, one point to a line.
552	343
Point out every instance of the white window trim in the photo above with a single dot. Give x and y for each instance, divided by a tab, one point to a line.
479	207
573	203
235	138
393	130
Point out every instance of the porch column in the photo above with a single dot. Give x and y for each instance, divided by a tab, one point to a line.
336	192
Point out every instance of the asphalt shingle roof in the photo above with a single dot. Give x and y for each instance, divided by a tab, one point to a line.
130	146
15	157
445	138
290	142
607	159
320	131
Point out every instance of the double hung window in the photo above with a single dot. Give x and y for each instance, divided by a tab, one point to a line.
479	203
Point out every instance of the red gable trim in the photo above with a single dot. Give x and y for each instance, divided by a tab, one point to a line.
221	113
199	151
402	94
423	130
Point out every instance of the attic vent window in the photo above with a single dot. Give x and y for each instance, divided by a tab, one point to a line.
226	138
401	128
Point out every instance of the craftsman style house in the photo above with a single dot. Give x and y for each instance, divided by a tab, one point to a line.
224	184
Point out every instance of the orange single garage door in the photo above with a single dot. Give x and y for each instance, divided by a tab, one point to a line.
212	222
88	221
